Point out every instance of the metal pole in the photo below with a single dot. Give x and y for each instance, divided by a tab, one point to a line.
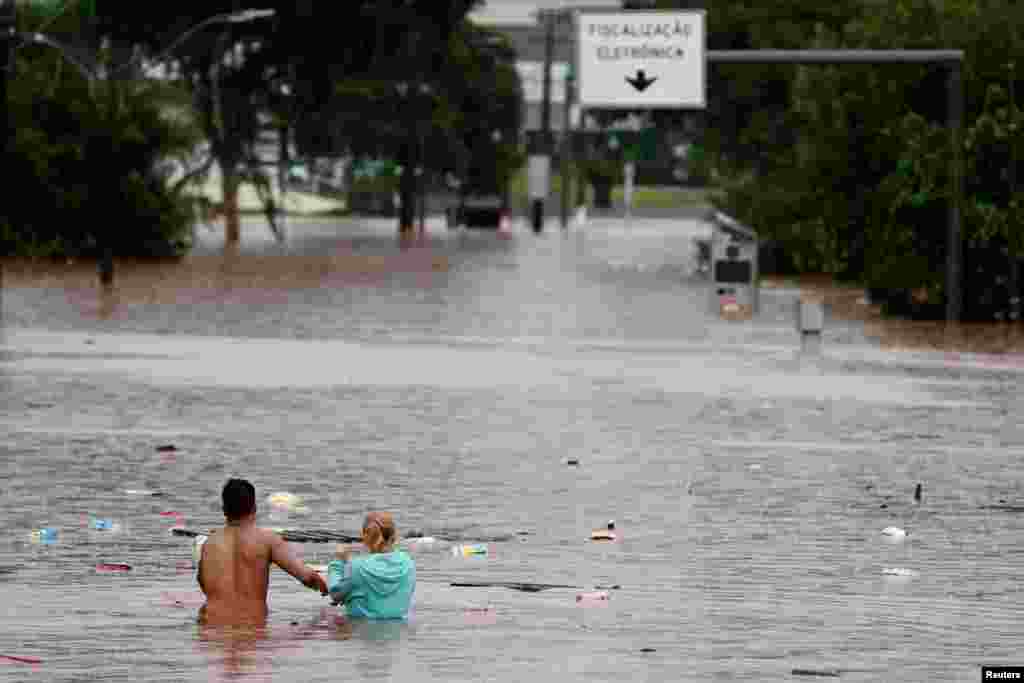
545	141
566	158
1014	258
954	257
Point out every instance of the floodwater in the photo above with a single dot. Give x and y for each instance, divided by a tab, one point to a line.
449	382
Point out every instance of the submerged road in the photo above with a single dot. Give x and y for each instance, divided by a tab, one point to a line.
450	382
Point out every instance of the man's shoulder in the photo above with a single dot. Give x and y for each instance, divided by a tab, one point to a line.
265	535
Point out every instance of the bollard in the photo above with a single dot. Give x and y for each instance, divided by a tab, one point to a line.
810	322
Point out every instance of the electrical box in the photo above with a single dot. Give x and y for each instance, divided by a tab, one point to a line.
734	269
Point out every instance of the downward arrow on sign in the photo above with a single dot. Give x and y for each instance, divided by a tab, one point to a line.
640	82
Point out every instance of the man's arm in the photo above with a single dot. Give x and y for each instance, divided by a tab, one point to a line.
283	557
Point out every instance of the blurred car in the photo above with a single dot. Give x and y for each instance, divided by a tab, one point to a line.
479	211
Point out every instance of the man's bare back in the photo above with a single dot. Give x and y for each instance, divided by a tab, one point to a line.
234	572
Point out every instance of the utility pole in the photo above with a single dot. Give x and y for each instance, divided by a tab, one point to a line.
565	158
541	176
1012	173
954	257
8	20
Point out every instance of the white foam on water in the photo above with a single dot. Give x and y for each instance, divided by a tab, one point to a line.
859	446
220	361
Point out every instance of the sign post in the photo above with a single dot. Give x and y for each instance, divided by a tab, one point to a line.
641	60
630	177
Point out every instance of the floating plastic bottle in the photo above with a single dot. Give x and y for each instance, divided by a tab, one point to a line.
44	535
98	524
197	547
421	541
469	550
592	599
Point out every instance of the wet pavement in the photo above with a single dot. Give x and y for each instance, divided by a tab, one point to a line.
449	381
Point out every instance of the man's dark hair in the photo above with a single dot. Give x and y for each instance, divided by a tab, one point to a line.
239	498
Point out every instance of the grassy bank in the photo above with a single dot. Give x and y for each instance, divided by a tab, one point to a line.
644	197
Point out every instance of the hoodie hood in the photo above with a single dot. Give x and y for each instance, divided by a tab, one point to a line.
383	573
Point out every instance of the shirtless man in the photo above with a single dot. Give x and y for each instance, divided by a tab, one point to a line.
234	564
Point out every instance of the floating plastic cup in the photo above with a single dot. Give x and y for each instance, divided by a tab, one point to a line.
470	550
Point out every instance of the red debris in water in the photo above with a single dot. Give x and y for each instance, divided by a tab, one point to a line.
23	660
107	567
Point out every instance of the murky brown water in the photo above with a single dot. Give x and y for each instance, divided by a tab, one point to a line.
449	382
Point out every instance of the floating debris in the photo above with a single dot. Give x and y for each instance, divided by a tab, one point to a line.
97	524
112	568
894	534
900	571
572	461
1005	508
592	599
182	600
21	659
525	587
647	649
291	535
168	448
282	501
46	535
606	534
470	550
422	540
832	673
917	493
480	616
142	492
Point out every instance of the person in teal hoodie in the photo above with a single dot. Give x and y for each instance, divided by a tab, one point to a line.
379	585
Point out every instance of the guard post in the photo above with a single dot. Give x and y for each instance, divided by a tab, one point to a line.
735	276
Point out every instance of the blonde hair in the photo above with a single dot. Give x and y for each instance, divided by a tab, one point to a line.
379	532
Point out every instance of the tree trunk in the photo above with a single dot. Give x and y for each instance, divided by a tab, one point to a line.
232	223
602	193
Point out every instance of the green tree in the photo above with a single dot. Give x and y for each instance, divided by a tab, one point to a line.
860	185
84	163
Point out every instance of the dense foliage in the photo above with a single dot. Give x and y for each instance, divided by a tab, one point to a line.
409	80
848	166
83	164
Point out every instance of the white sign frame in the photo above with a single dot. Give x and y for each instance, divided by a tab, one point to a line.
603	92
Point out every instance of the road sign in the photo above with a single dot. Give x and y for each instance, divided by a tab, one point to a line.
642	60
